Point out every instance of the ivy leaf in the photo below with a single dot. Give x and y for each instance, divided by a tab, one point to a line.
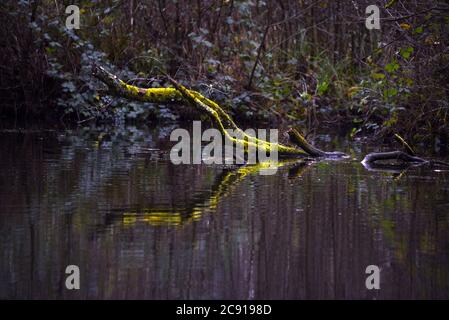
68	86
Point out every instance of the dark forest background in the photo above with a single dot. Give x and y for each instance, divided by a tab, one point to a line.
308	62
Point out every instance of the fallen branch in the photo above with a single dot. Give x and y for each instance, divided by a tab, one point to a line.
220	118
405	145
408	157
298	139
392	155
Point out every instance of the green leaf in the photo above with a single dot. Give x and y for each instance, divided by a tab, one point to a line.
418	30
322	87
392	67
377	76
390	92
306	96
406	52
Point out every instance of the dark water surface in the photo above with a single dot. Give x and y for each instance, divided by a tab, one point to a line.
110	201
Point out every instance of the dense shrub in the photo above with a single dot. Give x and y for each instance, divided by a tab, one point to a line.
312	62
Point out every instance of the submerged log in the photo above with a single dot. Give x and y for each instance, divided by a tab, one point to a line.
392	155
220	118
406	157
298	139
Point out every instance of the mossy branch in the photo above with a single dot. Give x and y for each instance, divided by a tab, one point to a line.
298	139
220	118
405	145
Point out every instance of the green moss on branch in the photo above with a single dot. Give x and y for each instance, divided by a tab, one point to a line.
220	118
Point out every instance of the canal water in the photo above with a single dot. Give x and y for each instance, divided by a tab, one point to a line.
109	201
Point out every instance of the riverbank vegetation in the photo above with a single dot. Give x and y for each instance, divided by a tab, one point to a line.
308	63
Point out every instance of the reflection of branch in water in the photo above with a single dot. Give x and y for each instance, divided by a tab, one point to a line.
298	169
397	170
206	201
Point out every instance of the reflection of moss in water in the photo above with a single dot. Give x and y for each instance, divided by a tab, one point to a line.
427	248
416	240
207	201
153	217
388	228
323	165
426	243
